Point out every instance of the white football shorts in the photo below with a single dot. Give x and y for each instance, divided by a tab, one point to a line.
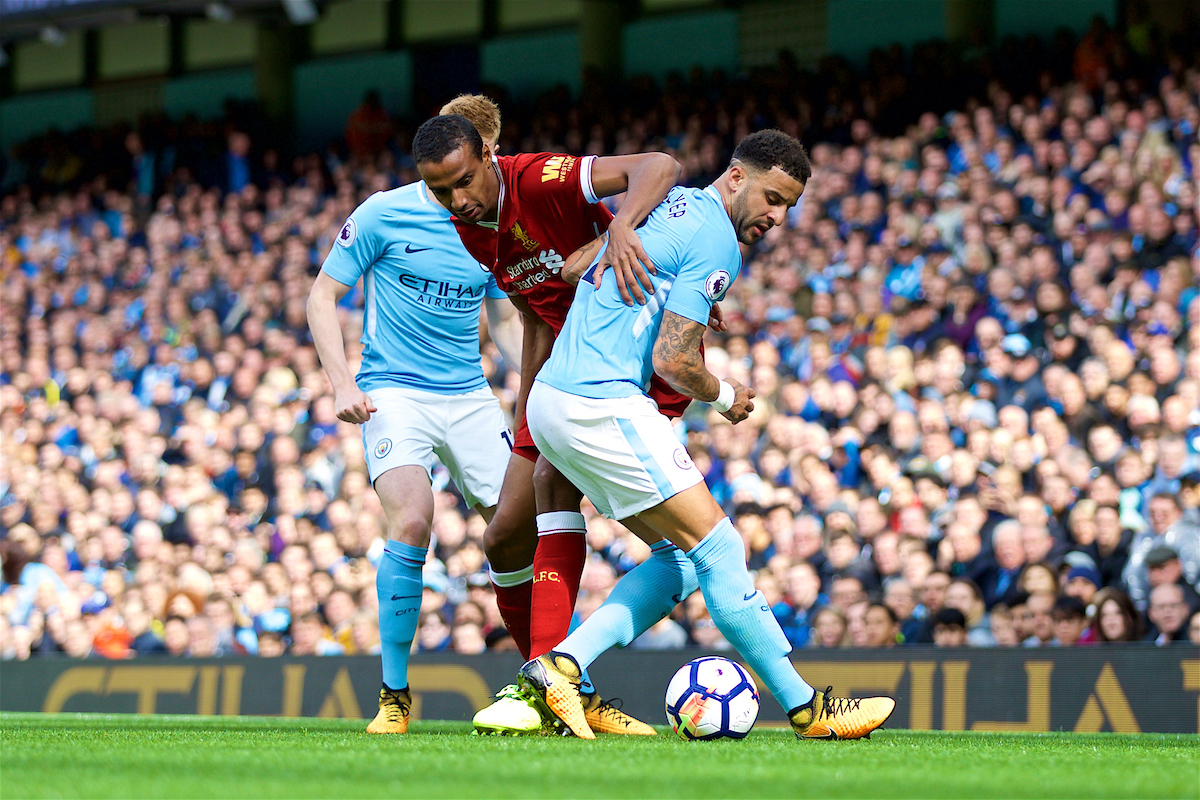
620	452
467	432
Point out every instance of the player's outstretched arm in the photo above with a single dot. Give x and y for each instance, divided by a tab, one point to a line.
679	361
646	179
350	403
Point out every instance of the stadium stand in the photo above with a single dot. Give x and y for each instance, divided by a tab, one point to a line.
976	346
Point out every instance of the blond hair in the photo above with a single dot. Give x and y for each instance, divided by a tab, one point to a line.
480	111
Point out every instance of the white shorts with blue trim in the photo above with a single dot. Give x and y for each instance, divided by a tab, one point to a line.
620	452
466	432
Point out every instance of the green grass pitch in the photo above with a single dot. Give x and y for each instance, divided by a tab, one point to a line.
92	755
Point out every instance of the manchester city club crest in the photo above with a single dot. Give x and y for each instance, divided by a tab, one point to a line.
383	448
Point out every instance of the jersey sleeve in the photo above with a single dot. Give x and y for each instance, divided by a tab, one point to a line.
585	179
559	179
706	269
357	246
493	289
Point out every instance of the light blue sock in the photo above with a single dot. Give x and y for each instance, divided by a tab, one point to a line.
585	681
637	602
743	616
398	586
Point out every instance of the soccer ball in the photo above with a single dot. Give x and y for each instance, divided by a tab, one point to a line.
712	698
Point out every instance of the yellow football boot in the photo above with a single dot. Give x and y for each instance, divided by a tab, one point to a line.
604	717
829	717
552	682
394	706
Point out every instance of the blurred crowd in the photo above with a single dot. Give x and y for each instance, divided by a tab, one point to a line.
976	347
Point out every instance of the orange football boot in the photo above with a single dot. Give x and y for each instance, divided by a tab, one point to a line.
829	717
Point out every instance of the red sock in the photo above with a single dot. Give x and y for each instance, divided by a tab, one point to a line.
514	602
557	565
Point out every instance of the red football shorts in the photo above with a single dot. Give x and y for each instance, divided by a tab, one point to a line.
523	445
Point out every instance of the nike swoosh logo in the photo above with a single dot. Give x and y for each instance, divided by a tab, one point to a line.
750	596
408	248
677	598
405	596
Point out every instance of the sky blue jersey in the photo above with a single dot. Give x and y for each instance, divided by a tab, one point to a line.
605	347
422	293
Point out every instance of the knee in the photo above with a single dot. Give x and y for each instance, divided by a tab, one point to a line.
497	534
552	489
411	529
544	478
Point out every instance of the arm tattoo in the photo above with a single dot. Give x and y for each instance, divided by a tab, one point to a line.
677	353
577	263
588	251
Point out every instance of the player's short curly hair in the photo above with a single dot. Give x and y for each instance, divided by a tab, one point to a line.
482	111
772	148
438	137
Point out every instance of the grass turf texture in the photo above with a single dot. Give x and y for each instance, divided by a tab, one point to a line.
91	755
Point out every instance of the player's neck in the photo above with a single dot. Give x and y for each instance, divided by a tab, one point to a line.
721	184
493	216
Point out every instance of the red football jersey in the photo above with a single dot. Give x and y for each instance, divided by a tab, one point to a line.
548	210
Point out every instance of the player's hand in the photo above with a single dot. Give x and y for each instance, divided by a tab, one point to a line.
353	405
716	320
630	262
743	403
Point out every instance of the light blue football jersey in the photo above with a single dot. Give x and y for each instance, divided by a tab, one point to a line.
422	293
605	347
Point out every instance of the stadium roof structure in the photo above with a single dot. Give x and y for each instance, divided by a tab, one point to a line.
27	19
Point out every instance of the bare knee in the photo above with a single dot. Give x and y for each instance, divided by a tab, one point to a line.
552	489
408	504
512	528
498	532
409	528
509	541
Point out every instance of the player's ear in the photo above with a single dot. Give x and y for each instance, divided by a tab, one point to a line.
489	150
737	176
